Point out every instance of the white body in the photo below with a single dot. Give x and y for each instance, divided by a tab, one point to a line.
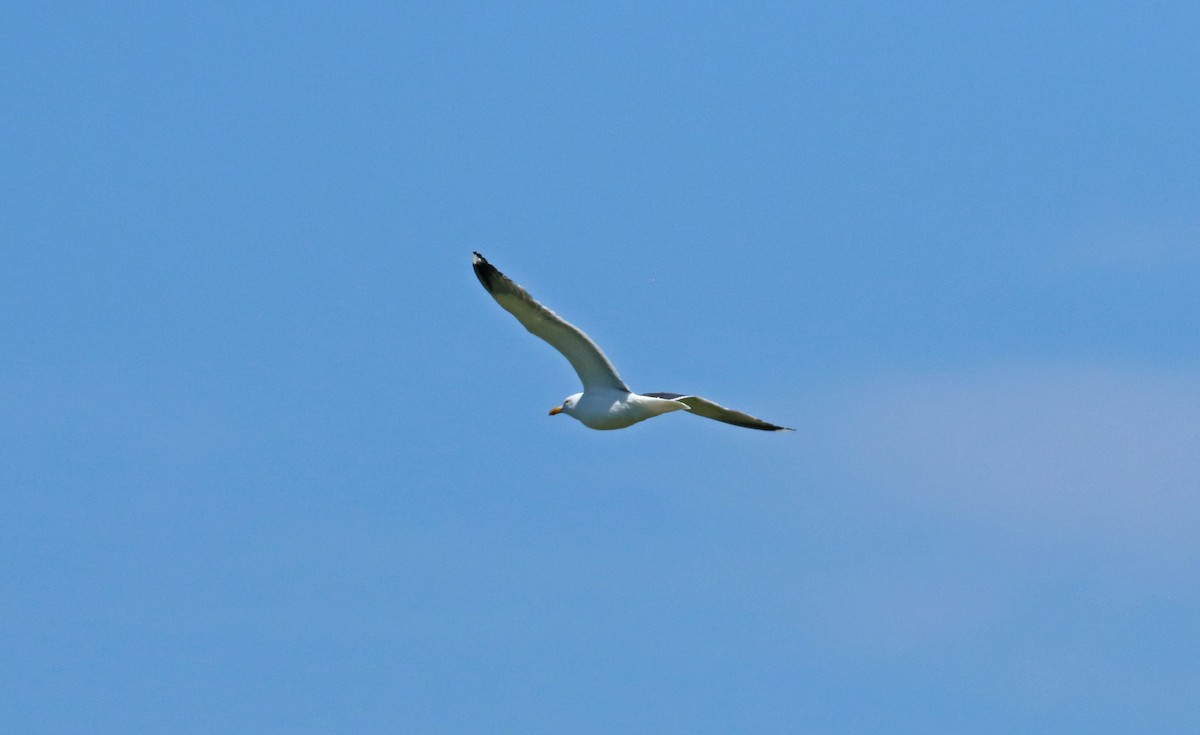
606	408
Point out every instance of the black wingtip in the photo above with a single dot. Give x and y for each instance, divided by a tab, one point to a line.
768	427
484	270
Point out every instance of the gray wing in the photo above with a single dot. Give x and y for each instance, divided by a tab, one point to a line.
593	368
709	410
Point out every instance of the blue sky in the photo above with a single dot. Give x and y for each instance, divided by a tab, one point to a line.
274	462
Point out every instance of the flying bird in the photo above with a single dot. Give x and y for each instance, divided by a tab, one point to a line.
606	402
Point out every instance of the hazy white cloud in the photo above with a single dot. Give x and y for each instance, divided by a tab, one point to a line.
1077	449
1123	242
1005	484
1144	244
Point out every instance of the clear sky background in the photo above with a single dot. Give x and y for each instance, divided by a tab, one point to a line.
272	461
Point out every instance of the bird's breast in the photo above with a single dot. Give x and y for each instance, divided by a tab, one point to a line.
607	411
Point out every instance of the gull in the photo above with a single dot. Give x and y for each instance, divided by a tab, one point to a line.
606	402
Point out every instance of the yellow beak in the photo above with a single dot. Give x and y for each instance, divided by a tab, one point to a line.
556	409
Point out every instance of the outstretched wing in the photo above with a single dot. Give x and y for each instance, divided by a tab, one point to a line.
593	368
709	410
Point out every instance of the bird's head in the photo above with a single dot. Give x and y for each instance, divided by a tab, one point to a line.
568	405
